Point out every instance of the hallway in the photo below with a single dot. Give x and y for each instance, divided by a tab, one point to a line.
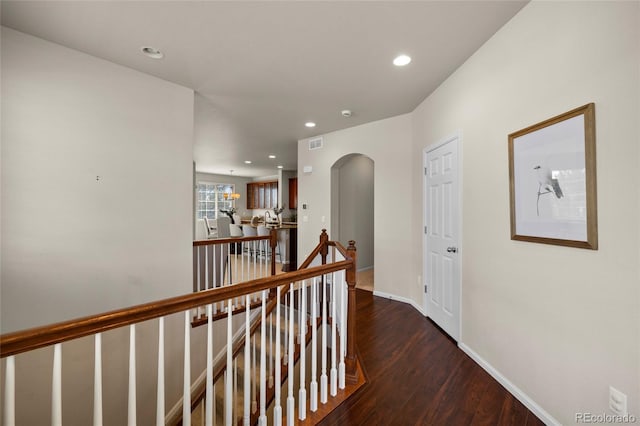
418	376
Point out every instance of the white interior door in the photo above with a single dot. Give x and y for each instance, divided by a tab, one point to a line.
441	236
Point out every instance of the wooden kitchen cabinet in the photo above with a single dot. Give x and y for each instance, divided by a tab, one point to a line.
293	193
262	195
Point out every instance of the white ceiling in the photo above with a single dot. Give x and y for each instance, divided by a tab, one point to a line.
260	70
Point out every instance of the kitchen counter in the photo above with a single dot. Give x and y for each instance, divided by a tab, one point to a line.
287	242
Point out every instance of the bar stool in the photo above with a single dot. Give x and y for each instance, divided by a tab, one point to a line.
263	231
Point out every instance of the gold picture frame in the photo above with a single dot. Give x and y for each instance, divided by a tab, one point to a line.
552	181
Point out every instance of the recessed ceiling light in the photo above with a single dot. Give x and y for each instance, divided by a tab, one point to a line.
247	161
152	52
272	156
310	124
280	167
401	60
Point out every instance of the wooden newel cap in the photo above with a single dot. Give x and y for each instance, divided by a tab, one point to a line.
352	245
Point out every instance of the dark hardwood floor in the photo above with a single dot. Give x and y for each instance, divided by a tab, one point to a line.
416	375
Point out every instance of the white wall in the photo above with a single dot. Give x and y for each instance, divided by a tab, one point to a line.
73	245
562	324
388	143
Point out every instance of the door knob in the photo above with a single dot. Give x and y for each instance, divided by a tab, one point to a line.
452	249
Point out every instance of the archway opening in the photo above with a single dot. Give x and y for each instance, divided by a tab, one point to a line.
352	214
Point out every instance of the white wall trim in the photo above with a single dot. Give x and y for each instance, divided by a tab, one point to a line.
366	268
400	299
513	389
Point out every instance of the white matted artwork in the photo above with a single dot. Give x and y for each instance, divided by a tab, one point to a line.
552	176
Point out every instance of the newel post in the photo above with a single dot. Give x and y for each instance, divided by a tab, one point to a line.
324	251
273	242
351	370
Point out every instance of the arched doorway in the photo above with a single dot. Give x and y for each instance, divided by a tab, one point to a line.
352	215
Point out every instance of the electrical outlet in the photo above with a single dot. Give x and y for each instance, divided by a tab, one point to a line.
617	401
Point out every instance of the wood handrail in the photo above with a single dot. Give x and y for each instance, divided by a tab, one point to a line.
229	240
38	337
318	250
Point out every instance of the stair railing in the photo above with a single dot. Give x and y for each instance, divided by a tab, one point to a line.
14	345
226	261
302	293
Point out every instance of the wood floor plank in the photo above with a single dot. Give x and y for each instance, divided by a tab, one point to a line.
416	375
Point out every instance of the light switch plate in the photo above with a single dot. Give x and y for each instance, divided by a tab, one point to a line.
617	401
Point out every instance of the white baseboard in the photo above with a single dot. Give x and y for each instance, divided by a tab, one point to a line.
366	268
400	299
513	389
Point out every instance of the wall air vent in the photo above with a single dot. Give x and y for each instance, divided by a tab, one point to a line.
315	143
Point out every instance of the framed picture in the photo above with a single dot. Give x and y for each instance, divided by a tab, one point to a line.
552	181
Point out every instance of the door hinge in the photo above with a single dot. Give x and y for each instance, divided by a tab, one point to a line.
425	171
425	229
426	288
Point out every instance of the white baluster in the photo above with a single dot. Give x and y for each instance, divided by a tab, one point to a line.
313	386
247	362
235	384
318	292
290	400
235	263
277	410
208	264
229	273
97	381
131	412
186	382
209	395
299	313
323	347
228	397
334	343
302	398
262	420
56	388
227	406
267	247
213	277
254	402
242	261
10	392
343	331
270	354
286	334
160	390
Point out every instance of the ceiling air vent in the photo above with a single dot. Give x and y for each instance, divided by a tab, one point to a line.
315	143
